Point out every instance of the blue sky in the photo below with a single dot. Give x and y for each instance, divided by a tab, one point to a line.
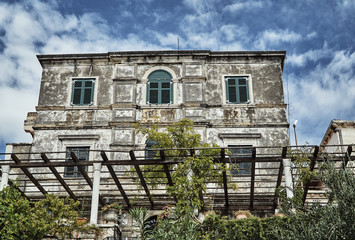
319	76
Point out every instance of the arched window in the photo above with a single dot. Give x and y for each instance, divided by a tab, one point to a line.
159	88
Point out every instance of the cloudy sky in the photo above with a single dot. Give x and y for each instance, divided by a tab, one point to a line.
318	35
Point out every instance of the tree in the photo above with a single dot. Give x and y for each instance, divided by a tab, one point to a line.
198	162
335	220
23	219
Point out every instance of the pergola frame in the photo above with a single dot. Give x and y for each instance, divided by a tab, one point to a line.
46	173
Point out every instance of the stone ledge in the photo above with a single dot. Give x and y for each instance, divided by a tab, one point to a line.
78	137
239	135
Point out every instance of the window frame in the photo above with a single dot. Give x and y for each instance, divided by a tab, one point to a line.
149	152
224	85
82	89
237	85
160	87
75	173
244	168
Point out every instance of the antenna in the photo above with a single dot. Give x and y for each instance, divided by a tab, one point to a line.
178	43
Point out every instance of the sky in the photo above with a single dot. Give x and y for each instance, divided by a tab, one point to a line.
318	35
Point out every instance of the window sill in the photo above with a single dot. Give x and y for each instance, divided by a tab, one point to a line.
81	107
160	106
238	105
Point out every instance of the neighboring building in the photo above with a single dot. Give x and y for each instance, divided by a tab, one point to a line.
339	132
337	144
90	102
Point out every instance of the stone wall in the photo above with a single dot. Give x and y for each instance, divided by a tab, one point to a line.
199	94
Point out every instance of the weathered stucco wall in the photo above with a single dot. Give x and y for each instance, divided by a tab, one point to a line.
120	101
199	94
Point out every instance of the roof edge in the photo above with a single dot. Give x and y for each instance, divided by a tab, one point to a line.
158	52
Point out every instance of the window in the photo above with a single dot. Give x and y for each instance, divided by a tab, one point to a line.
82	153
237	89
149	152
150	223
83	91
240	152
159	88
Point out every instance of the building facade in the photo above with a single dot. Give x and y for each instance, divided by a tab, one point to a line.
91	102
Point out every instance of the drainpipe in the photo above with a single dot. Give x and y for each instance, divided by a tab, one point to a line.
294	127
340	136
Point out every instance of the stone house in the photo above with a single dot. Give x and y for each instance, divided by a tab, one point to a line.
90	102
339	133
233	98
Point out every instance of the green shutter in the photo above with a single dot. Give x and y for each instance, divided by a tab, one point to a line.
83	91
171	92
162	92
227	89
237	89
148	92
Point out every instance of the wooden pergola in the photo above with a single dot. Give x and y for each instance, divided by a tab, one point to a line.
119	176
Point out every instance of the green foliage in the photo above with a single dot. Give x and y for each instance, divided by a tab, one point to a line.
302	174
334	220
197	168
252	228
115	206
140	216
22	219
302	164
178	224
289	205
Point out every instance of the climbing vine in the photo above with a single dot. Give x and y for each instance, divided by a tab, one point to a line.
196	168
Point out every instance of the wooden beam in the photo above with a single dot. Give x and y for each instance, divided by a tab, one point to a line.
59	178
85	175
311	168
29	175
252	180
166	170
141	178
37	164
284	152
225	184
114	177
347	156
279	175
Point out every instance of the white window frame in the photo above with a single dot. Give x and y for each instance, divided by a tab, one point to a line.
174	80
70	141
70	94
250	89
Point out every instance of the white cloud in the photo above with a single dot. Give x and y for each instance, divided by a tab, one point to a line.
300	60
38	28
17	102
201	6
324	94
245	5
271	38
169	39
311	35
232	32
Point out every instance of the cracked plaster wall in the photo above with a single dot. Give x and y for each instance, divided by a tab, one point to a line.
120	96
